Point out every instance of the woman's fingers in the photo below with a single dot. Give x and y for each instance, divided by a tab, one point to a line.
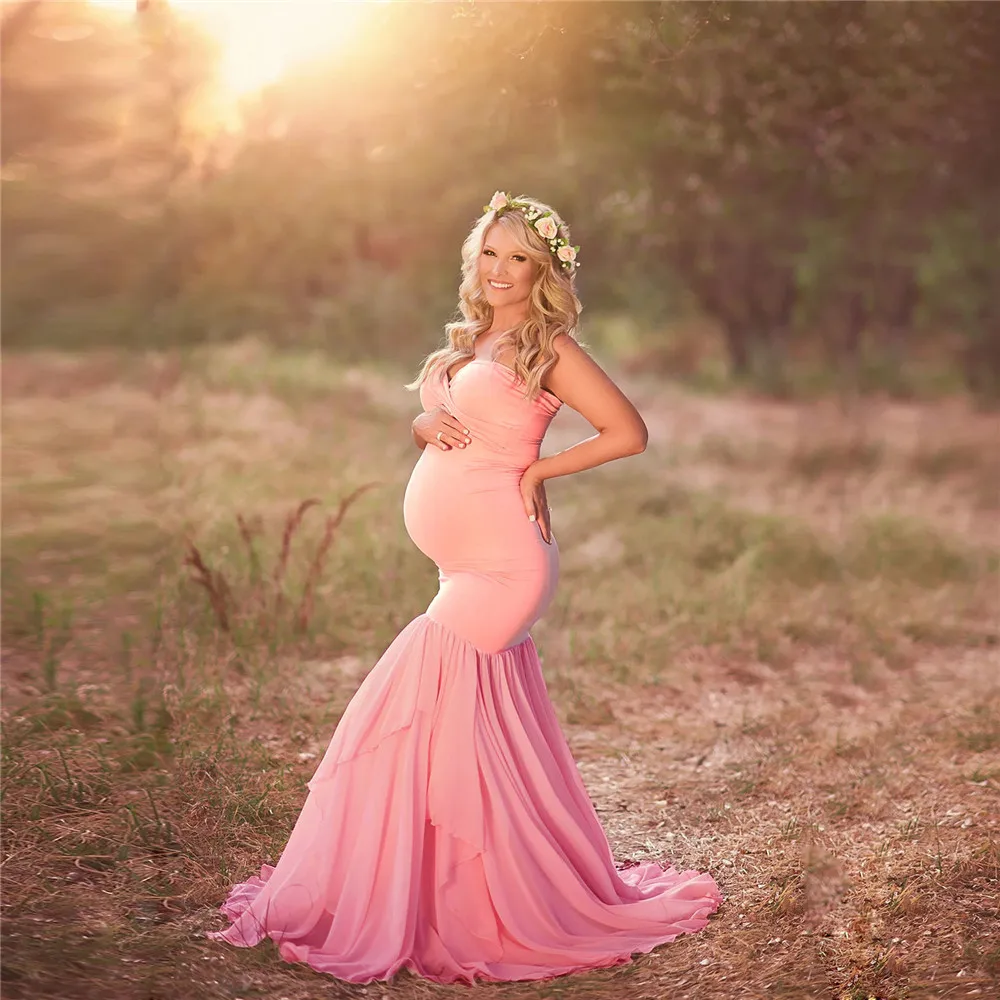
446	438
449	420
452	431
455	427
439	427
528	499
536	507
544	518
426	427
454	423
451	438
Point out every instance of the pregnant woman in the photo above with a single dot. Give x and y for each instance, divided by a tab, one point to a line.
447	829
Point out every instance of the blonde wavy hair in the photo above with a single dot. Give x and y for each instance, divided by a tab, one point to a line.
553	306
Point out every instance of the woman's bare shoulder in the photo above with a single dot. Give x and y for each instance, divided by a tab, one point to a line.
569	348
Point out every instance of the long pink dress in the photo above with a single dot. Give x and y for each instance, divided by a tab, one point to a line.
447	829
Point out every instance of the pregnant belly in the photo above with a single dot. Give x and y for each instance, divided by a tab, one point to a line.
460	512
497	573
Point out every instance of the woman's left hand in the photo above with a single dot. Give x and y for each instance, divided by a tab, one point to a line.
535	504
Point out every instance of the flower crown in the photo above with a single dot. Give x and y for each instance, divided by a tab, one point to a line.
545	224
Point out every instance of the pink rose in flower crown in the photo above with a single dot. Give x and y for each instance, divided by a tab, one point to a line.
566	253
498	201
546	226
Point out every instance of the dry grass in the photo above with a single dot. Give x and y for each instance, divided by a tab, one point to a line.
774	651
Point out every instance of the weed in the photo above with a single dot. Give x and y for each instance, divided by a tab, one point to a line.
790	829
253	609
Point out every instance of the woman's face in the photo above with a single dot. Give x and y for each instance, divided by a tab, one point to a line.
505	270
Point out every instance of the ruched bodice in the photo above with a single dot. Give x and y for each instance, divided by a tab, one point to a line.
463	507
506	428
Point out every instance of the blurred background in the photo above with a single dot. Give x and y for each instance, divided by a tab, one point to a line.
780	193
231	230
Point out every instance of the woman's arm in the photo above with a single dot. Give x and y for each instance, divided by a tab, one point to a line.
582	384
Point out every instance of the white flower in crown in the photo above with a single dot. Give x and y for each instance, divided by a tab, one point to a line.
566	253
546	226
498	201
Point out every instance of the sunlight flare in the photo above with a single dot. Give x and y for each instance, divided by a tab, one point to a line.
261	40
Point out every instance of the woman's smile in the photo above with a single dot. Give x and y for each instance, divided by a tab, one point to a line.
506	273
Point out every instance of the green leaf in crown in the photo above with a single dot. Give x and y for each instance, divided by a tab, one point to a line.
545	224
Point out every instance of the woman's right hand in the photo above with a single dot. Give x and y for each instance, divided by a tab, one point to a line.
439	427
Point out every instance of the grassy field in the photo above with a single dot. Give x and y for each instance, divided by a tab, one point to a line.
774	651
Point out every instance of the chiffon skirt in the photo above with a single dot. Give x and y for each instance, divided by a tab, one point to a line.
447	831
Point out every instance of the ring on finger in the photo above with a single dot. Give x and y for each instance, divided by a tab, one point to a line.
439	435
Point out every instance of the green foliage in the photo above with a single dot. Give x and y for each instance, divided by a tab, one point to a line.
818	180
894	549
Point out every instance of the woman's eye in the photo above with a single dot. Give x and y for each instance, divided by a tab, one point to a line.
489	253
519	256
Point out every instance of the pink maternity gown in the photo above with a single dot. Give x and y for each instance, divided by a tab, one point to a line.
447	829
